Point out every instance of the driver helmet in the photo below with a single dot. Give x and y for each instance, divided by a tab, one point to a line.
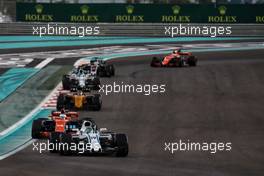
63	116
176	51
87	124
93	60
87	127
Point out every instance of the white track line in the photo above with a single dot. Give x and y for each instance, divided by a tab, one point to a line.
45	62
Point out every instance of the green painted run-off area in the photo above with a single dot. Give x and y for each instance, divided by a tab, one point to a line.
14	78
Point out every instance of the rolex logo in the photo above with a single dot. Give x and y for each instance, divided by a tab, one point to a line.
84	9
130	9
176	9
222	10
39	8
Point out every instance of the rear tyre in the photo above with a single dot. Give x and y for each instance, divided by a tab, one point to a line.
181	63
122	145
60	102
65	141
97	102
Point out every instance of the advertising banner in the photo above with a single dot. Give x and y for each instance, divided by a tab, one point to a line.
139	13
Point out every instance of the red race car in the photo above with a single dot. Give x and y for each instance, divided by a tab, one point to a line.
176	59
42	128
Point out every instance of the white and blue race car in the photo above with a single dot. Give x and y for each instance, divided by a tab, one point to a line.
83	137
96	66
80	79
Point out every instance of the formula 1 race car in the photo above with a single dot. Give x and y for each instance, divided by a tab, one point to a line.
175	59
86	133
98	66
80	79
79	101
43	127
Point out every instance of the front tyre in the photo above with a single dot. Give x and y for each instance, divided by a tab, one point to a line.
112	68
108	71
66	83
96	83
192	61
53	142
122	145
37	127
155	62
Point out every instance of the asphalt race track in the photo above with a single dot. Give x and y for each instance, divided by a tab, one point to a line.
220	100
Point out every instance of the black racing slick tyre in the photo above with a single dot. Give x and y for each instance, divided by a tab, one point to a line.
37	128
65	144
53	142
66	83
96	83
60	102
100	72
181	63
112	70
108	71
97	102
192	61
155	62
122	145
